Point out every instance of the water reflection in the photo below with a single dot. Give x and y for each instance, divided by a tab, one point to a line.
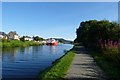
22	50
36	49
0	62
29	61
53	49
9	54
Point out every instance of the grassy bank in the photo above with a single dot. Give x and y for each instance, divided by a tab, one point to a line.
59	68
111	69
16	43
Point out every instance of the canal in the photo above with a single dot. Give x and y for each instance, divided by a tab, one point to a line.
27	62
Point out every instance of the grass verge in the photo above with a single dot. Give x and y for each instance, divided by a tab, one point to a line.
17	43
111	69
59	68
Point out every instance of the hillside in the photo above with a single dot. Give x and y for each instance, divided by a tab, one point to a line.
61	40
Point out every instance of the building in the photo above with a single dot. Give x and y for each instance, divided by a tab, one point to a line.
27	38
3	35
12	35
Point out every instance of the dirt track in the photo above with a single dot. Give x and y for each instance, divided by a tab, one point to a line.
84	67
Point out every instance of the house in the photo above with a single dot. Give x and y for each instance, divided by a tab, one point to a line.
27	38
44	42
3	35
12	35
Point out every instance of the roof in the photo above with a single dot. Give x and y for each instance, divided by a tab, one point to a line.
12	33
27	37
3	33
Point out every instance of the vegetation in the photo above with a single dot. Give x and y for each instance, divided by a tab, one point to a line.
22	38
37	38
61	40
59	68
90	32
102	39
17	43
111	69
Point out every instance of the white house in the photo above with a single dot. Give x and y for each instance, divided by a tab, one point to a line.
27	38
3	35
12	35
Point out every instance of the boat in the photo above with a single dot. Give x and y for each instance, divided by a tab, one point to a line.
51	41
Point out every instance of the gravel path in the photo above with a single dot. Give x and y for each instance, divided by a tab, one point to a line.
83	67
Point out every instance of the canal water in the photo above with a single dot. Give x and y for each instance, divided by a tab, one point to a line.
29	61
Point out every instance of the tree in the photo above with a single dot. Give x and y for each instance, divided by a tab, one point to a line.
22	38
90	32
37	38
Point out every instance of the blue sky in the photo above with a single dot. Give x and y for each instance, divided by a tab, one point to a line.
53	19
119	12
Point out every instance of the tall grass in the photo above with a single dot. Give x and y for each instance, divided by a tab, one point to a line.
111	69
17	43
111	50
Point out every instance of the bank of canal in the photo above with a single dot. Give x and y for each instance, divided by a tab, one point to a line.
59	68
76	64
29	61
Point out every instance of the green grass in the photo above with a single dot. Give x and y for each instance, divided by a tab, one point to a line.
17	43
59	68
111	69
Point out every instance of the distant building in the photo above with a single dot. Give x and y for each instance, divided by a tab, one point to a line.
3	35
27	38
12	35
44	42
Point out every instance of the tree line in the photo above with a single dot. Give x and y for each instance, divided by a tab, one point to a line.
91	32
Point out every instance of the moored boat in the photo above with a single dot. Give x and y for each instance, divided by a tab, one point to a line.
51	41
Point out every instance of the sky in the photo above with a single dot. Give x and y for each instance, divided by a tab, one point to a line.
60	0
119	12
53	19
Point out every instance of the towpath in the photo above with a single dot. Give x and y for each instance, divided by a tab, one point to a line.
84	67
